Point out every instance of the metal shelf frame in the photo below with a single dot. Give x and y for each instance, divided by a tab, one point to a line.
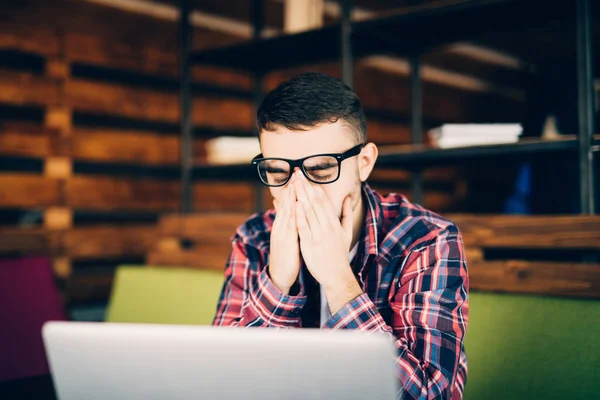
426	29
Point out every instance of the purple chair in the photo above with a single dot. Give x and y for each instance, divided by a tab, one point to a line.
28	298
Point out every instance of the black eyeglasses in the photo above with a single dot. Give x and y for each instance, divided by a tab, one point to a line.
320	168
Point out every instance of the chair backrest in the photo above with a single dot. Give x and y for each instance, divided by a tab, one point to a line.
531	347
28	298
164	295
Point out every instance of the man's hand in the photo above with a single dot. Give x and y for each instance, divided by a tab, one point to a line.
325	242
284	264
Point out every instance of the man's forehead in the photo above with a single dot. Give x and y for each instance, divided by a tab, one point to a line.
293	144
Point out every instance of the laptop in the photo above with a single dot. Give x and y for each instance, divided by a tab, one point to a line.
143	361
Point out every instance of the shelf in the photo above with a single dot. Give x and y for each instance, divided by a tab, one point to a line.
414	157
406	156
401	34
274	53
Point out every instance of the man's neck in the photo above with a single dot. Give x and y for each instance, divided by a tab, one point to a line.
359	219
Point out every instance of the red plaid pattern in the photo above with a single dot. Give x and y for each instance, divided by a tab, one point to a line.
412	268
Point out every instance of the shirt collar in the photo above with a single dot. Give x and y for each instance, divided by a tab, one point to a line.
372	226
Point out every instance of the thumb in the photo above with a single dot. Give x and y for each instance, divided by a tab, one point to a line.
347	219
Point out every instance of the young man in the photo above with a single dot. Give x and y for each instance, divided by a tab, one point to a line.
337	255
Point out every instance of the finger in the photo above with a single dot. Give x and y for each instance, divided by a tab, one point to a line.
323	206
304	231
305	201
291	224
282	209
347	218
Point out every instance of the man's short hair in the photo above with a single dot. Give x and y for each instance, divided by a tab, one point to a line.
311	99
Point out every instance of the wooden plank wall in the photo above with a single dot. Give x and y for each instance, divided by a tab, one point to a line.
207	239
89	133
89	136
549	255
541	255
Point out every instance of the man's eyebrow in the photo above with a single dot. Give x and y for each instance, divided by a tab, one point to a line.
323	165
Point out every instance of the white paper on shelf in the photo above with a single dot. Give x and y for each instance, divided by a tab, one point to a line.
231	150
464	135
476	130
447	143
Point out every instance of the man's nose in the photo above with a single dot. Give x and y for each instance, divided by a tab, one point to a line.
293	176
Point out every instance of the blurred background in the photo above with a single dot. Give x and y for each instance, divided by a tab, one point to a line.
99	97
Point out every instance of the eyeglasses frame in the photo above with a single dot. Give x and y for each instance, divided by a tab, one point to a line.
354	151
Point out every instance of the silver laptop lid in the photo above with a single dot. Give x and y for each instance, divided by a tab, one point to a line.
142	361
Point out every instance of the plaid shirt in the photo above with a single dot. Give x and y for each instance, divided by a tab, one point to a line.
412	268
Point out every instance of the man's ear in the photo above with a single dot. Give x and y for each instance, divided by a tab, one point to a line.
366	160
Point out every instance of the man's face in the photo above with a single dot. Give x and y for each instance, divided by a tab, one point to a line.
325	138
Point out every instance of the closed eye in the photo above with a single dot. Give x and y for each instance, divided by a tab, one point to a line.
272	170
320	167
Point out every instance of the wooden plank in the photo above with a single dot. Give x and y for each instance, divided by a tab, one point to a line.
386	133
113	51
152	105
26	139
21	190
204	228
433	200
33	38
147	58
56	218
121	100
88	38
58	167
107	193
447	175
168	244
139	147
207	257
220	197
547	278
59	118
109	241
62	267
85	34
217	76
520	231
27	241
223	113
58	68
438	201
20	88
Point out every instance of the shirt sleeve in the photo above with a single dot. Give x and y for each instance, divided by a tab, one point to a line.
429	317
250	298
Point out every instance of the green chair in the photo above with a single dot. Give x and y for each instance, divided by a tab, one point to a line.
530	347
164	295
